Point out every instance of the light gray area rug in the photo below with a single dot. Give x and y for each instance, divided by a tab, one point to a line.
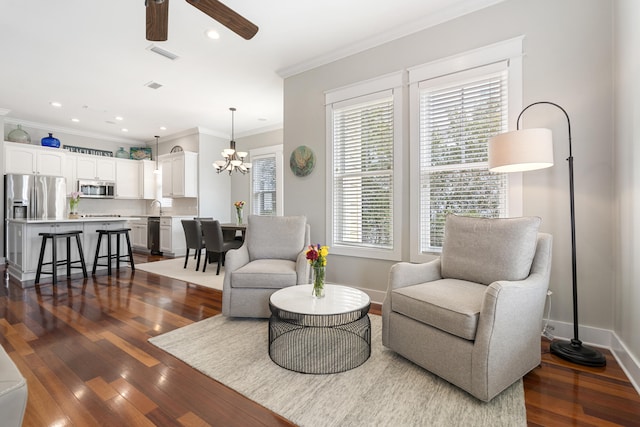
174	268
387	390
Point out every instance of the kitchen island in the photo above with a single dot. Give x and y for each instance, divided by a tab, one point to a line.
23	243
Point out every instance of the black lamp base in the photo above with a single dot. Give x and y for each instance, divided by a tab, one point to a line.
575	352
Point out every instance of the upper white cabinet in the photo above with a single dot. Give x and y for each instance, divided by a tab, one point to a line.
128	179
96	167
148	179
179	174
32	160
70	173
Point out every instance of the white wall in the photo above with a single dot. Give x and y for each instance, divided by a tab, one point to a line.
567	60
627	155
214	190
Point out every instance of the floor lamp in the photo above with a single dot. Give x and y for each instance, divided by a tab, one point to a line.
530	149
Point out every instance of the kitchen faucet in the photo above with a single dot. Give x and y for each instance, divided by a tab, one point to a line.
156	201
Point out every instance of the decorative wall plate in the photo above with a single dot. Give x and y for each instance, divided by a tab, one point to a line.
302	161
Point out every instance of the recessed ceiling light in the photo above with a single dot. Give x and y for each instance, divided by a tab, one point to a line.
212	34
55	104
119	118
125	130
163	128
75	120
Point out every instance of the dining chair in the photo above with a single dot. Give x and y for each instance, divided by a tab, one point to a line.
216	246
193	239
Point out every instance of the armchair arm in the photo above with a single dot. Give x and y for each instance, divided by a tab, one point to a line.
302	268
507	342
234	259
406	274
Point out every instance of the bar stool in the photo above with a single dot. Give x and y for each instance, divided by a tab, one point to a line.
54	255
110	255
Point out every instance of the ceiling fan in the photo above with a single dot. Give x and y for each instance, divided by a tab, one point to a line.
158	18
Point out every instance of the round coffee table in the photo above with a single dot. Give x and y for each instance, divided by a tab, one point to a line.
319	335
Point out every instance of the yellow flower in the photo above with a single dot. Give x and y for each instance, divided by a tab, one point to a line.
324	251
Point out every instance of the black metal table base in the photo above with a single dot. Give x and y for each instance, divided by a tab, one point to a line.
315	344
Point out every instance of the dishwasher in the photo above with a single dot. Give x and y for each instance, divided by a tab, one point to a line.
153	235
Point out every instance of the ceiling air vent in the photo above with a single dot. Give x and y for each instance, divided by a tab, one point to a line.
153	85
162	52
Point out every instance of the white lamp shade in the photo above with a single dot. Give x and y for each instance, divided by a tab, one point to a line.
521	150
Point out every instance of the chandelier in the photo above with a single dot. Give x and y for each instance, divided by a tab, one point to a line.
233	160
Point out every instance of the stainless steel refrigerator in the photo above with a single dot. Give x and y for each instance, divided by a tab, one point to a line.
35	196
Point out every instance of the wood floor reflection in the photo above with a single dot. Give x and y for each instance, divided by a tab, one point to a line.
82	345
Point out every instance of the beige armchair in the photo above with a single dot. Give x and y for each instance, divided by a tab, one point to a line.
473	316
272	257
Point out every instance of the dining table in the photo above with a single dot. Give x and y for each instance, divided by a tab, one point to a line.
232	226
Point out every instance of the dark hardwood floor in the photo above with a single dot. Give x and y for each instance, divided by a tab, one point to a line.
82	346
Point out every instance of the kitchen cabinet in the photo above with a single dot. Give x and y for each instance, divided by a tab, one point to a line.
70	173
24	241
33	160
138	234
179	174
172	241
128	184
148	179
90	241
96	167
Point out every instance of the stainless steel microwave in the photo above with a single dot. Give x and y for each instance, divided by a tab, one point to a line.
97	189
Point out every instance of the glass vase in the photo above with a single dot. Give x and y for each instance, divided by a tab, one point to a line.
19	135
317	280
122	153
239	216
50	141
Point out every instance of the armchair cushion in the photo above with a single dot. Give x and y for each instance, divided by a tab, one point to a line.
450	305
287	231
265	273
484	250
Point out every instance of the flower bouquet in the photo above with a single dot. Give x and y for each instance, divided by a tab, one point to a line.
317	256
239	205
74	200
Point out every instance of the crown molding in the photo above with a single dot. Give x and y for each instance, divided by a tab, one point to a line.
257	131
449	13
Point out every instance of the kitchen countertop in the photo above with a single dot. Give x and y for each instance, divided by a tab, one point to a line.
67	220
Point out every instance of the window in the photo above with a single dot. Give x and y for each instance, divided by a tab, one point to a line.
456	114
363	152
266	181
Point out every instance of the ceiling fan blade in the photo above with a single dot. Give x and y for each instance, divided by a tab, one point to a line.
157	20
227	17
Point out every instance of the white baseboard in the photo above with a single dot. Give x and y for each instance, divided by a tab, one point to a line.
605	338
377	297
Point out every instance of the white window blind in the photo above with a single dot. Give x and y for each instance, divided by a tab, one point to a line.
363	159
456	120
263	185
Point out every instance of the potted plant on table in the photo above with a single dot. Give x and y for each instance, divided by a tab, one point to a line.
74	200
